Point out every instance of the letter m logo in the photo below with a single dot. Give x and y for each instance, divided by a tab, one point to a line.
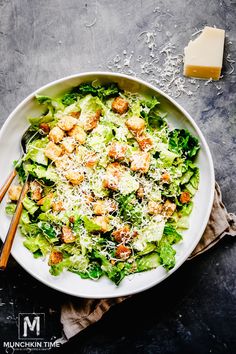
31	325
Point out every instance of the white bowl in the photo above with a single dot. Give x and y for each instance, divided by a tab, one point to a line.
68	282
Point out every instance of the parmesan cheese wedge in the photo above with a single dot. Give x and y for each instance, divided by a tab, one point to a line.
204	55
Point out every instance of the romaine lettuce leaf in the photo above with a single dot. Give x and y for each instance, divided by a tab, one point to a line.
130	210
35	151
95	89
148	262
37	243
167	255
181	141
48	231
30	205
90	225
10	209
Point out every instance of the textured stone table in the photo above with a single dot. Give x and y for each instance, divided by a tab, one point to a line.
40	41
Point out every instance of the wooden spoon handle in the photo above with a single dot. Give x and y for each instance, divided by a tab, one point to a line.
7	184
6	249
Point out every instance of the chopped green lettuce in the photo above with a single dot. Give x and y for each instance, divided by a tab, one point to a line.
139	236
37	243
48	231
10	209
181	141
90	225
148	262
30	205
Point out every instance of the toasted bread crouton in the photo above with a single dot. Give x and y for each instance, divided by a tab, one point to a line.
113	175
154	208
74	177
120	105
68	144
145	142
57	206
136	125
140	192
102	207
36	190
55	257
42	200
140	162
78	134
91	160
63	162
67	235
165	177
75	114
45	127
103	222
123	252
122	234
92	121
185	197
66	123
52	151
56	135
88	198
168	208
117	151
14	192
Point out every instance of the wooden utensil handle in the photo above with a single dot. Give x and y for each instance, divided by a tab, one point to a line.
7	184
6	249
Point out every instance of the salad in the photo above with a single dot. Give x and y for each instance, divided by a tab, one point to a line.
111	183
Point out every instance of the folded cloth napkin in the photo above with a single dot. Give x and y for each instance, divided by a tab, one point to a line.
77	314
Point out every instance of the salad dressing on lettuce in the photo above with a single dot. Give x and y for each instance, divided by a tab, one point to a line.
111	184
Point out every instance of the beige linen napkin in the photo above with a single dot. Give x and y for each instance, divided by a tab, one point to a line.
78	313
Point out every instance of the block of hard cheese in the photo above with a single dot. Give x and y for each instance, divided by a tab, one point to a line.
203	57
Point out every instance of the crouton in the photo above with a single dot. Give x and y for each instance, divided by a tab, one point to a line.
44	127
140	192
168	208
67	235
42	200
52	151
68	144
136	125
101	207
165	177
88	198
56	135
75	114
55	257
120	105
154	208
57	206
67	123
74	177
140	162
113	175
185	197
72	219
117	151
92	121
14	192
122	234
36	190
63	162
78	134
91	160
103	222
123	252
145	142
